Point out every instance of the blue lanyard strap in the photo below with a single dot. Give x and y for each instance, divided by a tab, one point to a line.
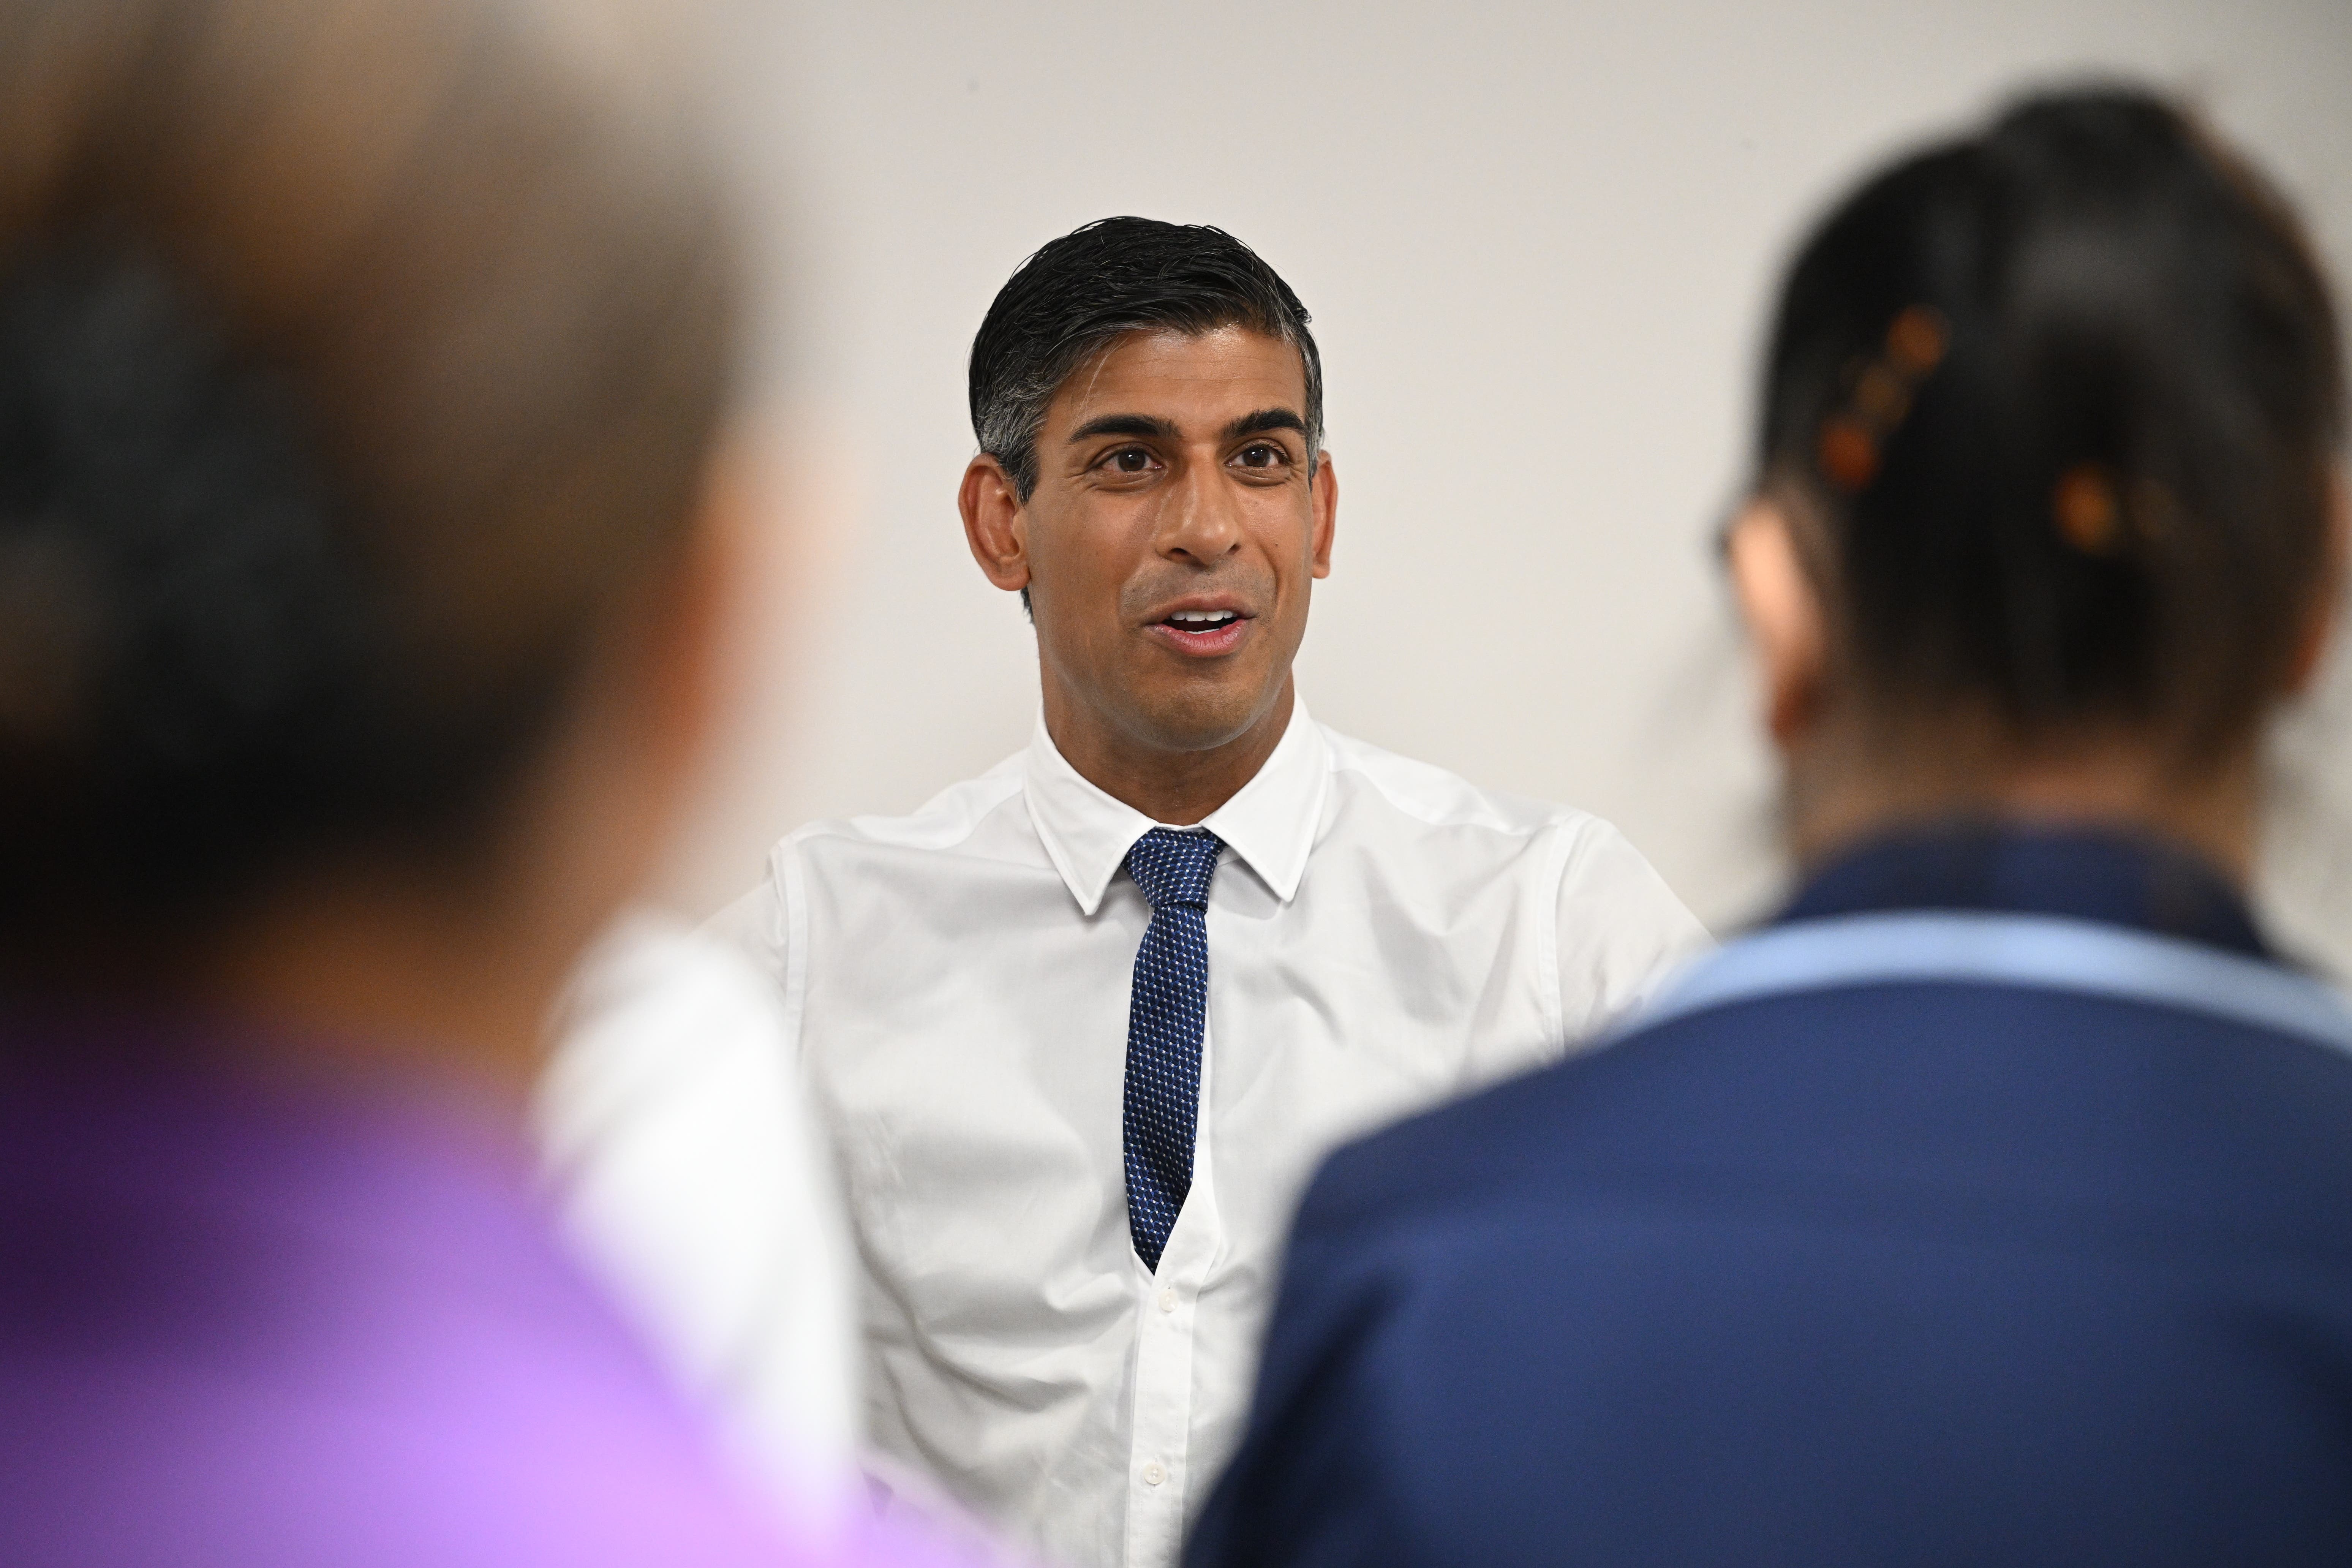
2037	951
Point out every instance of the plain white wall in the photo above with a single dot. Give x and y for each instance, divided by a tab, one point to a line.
1538	242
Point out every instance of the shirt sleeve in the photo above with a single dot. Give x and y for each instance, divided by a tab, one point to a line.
1621	933
758	926
693	1181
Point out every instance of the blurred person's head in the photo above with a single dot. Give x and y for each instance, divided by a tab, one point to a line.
1149	403
360	369
2048	518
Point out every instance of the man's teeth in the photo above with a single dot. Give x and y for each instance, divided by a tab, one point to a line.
1202	618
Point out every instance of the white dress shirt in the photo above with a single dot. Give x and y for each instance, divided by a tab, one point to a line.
1382	936
695	1185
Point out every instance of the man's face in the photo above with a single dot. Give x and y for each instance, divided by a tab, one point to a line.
1174	533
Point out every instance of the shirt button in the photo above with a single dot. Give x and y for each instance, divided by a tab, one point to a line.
1153	1475
1168	1300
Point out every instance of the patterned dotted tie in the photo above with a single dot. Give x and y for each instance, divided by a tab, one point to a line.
1165	1015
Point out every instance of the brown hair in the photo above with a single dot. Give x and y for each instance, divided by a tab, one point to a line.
355	356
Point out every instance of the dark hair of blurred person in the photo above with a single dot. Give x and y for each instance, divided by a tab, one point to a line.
2048	506
362	367
1987	1204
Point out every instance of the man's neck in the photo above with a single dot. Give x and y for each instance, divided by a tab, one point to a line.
1175	786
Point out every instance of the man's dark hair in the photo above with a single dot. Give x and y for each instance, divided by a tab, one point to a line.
352	362
1093	285
2059	404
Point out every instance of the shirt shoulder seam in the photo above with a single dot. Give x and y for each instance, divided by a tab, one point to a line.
1487	812
944	820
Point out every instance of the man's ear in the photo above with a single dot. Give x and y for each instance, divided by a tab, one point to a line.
1783	612
2328	599
1324	491
994	524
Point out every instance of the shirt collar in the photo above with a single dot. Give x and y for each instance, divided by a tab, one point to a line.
2088	874
1269	822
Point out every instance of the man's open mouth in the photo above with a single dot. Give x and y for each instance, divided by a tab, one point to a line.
1199	621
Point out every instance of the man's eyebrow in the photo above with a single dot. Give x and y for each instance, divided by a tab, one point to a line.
1126	425
1264	420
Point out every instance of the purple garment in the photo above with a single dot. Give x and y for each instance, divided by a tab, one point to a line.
262	1326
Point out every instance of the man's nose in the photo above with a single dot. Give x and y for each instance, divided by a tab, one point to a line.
1200	518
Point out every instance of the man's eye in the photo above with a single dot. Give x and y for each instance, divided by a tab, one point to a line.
1131	460
1263	454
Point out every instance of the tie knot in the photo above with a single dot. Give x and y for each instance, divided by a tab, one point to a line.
1174	867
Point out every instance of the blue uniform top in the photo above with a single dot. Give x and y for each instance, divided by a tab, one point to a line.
1993	1205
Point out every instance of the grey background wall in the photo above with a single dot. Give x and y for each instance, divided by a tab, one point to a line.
1538	240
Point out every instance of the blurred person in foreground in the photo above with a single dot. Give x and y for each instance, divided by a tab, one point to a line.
690	1175
361	367
1080	1027
1993	1204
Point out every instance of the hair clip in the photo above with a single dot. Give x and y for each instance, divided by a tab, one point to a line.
2087	508
1851	440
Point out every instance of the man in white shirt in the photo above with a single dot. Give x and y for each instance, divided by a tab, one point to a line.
1081	1027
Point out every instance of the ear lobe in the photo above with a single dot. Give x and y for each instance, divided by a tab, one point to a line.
2328	599
1782	610
992	523
1325	499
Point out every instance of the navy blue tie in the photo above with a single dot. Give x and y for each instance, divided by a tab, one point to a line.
1166	1012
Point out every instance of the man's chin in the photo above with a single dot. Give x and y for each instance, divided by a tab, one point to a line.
1204	720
